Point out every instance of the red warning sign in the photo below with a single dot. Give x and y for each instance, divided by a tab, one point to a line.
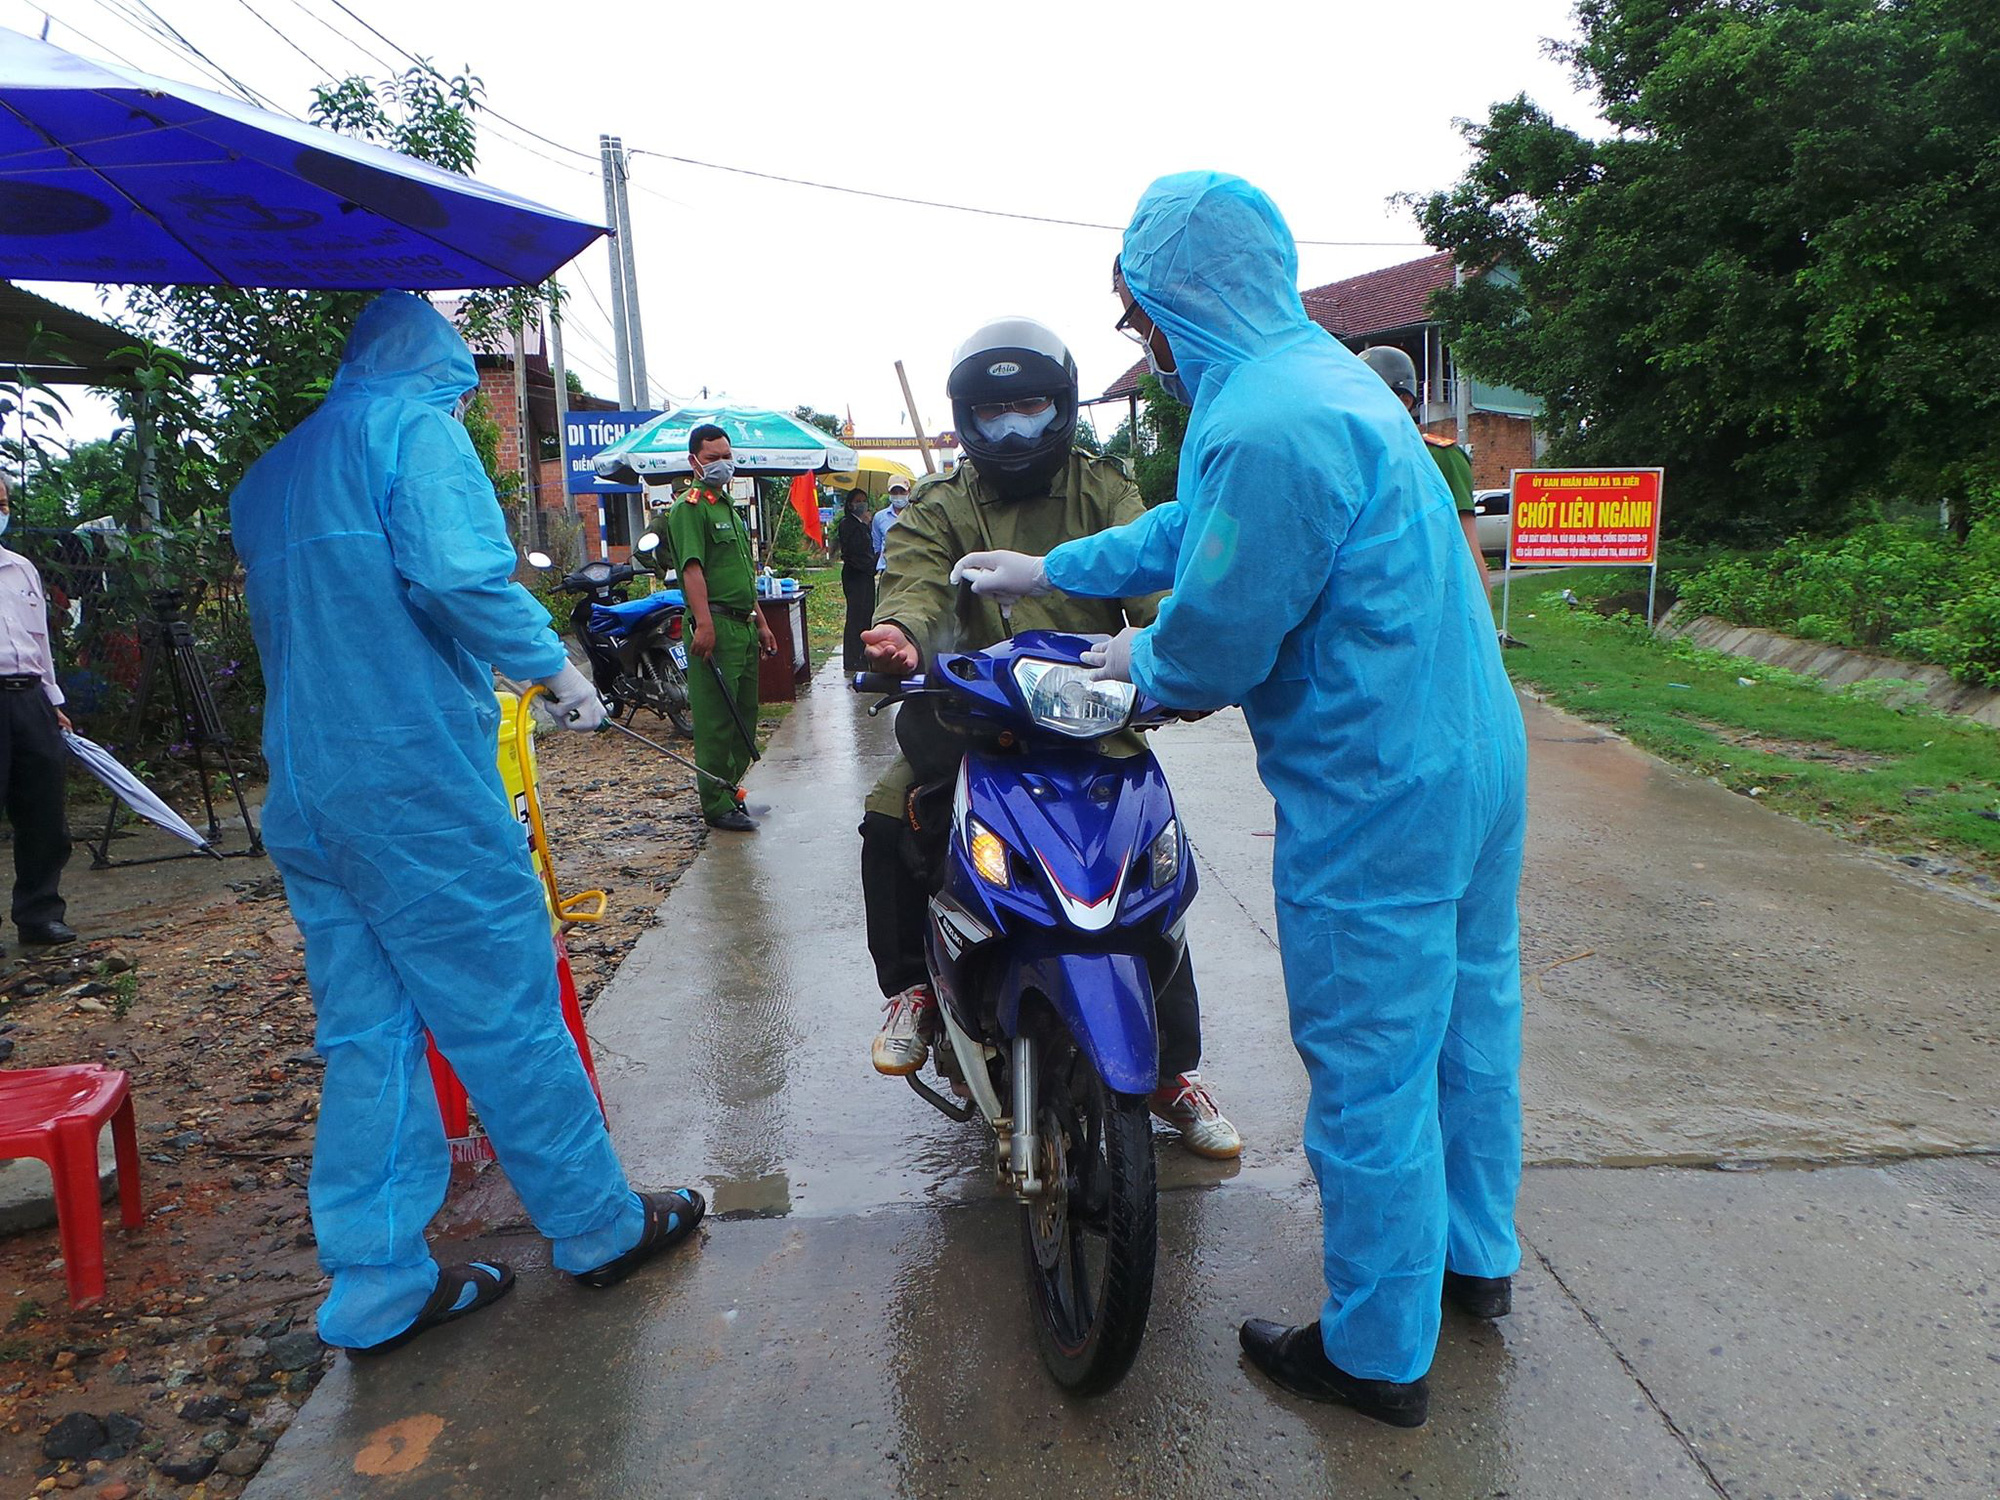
1584	518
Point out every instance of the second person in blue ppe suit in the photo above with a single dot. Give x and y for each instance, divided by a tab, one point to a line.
378	575
1320	579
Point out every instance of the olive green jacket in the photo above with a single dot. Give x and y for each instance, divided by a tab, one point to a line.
952	514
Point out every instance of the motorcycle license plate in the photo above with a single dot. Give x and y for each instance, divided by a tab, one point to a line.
680	655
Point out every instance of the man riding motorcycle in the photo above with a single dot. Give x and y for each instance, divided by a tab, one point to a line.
1021	486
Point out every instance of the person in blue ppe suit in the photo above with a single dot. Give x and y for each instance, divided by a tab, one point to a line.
1320	579
378	575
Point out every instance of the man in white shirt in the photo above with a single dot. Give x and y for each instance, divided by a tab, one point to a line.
32	757
889	515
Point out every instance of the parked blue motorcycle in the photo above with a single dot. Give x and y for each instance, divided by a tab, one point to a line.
637	647
1060	910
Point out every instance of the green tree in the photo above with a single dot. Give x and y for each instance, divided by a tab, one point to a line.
1777	276
92	479
1162	424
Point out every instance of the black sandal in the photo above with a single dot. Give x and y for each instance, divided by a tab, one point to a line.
487	1281
670	1218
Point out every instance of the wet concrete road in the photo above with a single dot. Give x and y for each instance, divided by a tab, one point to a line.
856	1324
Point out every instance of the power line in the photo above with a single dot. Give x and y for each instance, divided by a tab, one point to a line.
108	51
285	37
399	47
241	87
153	35
962	208
373	56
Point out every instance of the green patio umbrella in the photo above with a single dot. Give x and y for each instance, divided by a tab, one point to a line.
764	442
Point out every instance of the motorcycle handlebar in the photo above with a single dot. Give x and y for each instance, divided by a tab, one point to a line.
879	682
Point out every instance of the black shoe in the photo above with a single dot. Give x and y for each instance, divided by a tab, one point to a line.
670	1219
1480	1296
47	934
1296	1359
736	820
461	1291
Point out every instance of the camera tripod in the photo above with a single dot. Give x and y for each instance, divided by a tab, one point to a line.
167	649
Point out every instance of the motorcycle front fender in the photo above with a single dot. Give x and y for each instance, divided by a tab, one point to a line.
1106	1002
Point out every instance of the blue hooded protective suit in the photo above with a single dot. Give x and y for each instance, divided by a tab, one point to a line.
1320	578
378	582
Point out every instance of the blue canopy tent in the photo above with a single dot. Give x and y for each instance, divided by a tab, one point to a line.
109	174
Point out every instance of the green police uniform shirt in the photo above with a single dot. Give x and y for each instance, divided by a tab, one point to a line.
703	527
960	512
956	513
1455	464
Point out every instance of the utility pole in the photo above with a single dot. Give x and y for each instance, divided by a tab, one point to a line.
1461	386
607	159
923	442
562	406
635	341
524	441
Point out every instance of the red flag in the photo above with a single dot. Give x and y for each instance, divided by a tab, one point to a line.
805	500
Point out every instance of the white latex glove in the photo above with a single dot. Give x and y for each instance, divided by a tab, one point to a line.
1003	577
1112	661
574	699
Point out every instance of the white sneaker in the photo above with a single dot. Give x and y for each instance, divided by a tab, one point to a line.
1186	1104
901	1046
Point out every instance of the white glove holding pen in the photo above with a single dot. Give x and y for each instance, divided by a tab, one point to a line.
1003	577
573	699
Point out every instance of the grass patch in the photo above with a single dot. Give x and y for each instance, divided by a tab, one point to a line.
1909	780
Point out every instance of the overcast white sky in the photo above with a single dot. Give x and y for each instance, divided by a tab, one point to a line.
776	295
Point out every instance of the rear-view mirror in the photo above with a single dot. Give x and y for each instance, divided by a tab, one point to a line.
541	560
650	542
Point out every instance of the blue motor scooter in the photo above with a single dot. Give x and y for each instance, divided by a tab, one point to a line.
1060	910
637	647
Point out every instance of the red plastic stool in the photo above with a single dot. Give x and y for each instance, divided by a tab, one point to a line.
55	1115
453	1105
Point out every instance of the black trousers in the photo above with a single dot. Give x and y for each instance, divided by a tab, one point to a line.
33	775
860	590
897	908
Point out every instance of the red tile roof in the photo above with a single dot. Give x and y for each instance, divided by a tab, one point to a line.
1377	301
1373	302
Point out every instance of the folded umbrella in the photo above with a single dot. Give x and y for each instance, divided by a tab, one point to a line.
133	792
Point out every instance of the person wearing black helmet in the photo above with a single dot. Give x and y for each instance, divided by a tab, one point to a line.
1022	485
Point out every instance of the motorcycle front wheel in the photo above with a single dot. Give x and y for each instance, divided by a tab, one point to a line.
1092	1237
665	687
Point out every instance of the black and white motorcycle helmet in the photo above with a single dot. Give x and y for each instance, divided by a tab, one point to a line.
1013	360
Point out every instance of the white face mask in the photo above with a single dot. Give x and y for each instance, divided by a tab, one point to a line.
718	472
897	502
5	517
1169	379
1014	424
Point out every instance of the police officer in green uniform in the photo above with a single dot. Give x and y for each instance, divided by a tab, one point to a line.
710	546
1022	487
1399	373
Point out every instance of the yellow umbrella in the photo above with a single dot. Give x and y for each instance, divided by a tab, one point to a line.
873	475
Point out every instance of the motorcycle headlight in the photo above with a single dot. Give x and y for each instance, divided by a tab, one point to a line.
989	854
1066	699
1167	854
